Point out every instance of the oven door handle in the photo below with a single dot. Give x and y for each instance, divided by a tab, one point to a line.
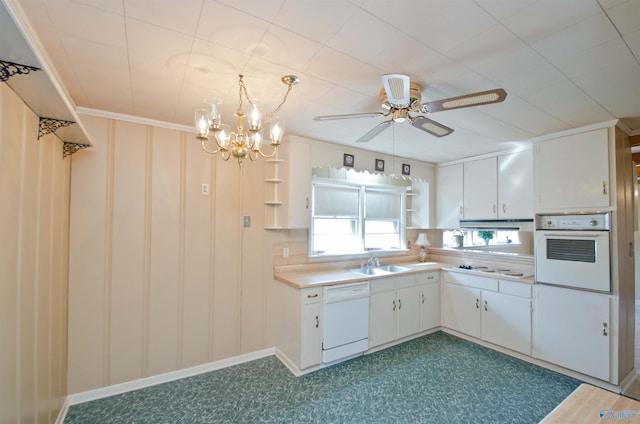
577	235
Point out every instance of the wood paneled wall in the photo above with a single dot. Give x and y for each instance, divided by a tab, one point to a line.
34	211
162	277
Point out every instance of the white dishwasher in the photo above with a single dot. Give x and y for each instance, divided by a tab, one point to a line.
346	321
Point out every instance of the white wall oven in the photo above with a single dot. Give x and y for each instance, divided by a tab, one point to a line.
574	251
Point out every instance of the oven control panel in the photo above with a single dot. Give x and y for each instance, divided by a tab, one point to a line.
598	221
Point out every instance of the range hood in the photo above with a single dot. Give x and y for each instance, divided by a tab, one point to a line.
497	224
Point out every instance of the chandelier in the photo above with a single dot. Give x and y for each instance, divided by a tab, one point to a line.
241	143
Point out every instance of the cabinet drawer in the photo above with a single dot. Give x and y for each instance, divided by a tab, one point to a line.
380	285
430	277
404	281
478	282
310	296
482	283
515	289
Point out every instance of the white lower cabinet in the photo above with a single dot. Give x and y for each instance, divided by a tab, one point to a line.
573	330
299	326
461	309
495	311
311	333
429	300
506	321
402	306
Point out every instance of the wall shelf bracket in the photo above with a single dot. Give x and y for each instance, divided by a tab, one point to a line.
69	148
51	125
9	69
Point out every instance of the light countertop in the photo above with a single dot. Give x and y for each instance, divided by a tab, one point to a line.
305	278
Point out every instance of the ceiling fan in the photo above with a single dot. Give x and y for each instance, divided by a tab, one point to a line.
401	100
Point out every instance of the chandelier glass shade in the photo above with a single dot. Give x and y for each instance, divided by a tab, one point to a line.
242	142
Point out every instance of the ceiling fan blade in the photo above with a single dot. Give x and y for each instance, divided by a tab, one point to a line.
349	116
397	87
473	99
432	127
374	131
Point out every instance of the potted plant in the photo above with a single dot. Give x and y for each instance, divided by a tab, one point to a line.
485	235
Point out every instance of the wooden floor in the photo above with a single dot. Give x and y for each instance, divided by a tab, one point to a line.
590	404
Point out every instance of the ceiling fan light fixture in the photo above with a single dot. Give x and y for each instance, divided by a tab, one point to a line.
400	115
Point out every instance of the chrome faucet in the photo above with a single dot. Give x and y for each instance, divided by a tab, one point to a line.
371	262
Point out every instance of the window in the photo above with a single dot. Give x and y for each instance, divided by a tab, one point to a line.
474	238
352	218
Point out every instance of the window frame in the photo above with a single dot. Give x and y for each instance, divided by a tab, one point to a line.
361	217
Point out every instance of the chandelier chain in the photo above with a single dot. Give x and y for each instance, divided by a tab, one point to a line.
243	91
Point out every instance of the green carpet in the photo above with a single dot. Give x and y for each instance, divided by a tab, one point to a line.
437	378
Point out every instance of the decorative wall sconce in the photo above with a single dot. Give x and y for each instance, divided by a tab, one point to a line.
241	143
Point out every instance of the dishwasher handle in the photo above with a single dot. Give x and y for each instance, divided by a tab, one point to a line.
343	292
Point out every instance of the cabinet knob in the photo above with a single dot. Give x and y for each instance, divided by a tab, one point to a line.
423	298
317	321
460	210
394	305
604	187
311	296
494	208
604	329
504	208
477	303
485	306
307	204
399	304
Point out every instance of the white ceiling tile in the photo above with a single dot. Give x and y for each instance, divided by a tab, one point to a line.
365	37
317	20
526	117
238	30
586	34
633	41
626	16
107	5
600	59
156	41
87	23
547	17
533	80
497	55
502	9
181	16
286	48
266	10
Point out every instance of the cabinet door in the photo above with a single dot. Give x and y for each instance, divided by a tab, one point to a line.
515	185
408	300
449	196
573	171
383	315
480	189
299	182
461	309
429	306
506	321
311	337
573	330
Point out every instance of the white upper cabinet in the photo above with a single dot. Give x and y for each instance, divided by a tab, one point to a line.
449	196
572	172
515	185
481	189
287	186
499	187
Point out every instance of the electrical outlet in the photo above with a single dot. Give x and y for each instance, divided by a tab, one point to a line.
285	252
205	189
246	221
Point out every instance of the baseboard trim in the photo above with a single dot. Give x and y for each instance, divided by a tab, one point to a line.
129	386
63	411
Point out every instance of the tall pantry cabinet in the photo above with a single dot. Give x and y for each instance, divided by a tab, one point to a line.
586	172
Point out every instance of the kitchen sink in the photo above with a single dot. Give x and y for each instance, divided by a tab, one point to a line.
378	270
